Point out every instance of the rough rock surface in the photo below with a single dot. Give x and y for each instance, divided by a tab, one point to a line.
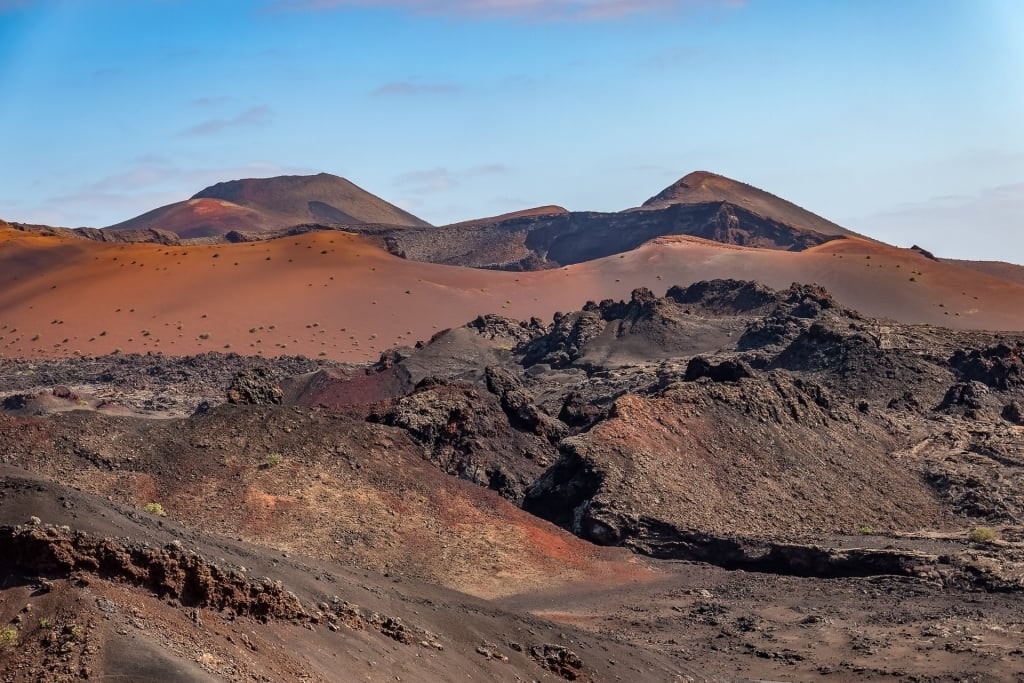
256	387
725	424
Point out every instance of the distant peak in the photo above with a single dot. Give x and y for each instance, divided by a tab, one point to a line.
700	177
703	180
700	187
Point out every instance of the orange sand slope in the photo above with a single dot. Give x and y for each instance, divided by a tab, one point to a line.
333	294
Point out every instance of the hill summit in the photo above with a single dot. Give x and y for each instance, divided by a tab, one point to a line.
701	187
265	204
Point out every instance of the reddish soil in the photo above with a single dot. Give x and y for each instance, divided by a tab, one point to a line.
335	295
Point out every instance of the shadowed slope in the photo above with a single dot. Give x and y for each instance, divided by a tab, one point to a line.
701	186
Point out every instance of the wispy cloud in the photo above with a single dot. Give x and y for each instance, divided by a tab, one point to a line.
410	88
677	56
427	180
489	169
212	101
441	179
987	224
148	182
550	10
257	116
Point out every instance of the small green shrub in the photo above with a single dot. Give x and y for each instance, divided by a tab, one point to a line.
865	530
273	460
155	509
8	638
981	534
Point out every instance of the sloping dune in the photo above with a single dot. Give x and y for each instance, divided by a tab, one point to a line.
334	294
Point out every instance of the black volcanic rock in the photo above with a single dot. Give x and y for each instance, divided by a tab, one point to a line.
1013	412
1000	366
256	387
726	371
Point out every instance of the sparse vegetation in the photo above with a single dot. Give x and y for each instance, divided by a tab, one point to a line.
8	638
865	530
155	509
981	534
273	460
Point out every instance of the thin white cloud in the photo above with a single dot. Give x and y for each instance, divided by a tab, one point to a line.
986	225
489	169
149	182
441	179
427	180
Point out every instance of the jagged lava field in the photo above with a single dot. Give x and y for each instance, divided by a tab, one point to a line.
286	431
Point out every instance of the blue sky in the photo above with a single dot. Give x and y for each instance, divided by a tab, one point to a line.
900	119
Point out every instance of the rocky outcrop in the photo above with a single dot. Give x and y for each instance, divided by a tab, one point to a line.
725	297
255	387
1013	412
466	432
560	661
169	572
1000	366
519	407
726	371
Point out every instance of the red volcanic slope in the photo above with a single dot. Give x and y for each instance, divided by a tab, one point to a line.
263	204
1000	269
335	294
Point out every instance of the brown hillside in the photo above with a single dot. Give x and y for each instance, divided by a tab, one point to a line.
701	186
264	204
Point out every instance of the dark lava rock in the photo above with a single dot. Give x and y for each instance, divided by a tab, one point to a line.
520	409
466	431
255	387
725	297
578	413
17	401
559	660
1013	412
966	394
1000	366
726	371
